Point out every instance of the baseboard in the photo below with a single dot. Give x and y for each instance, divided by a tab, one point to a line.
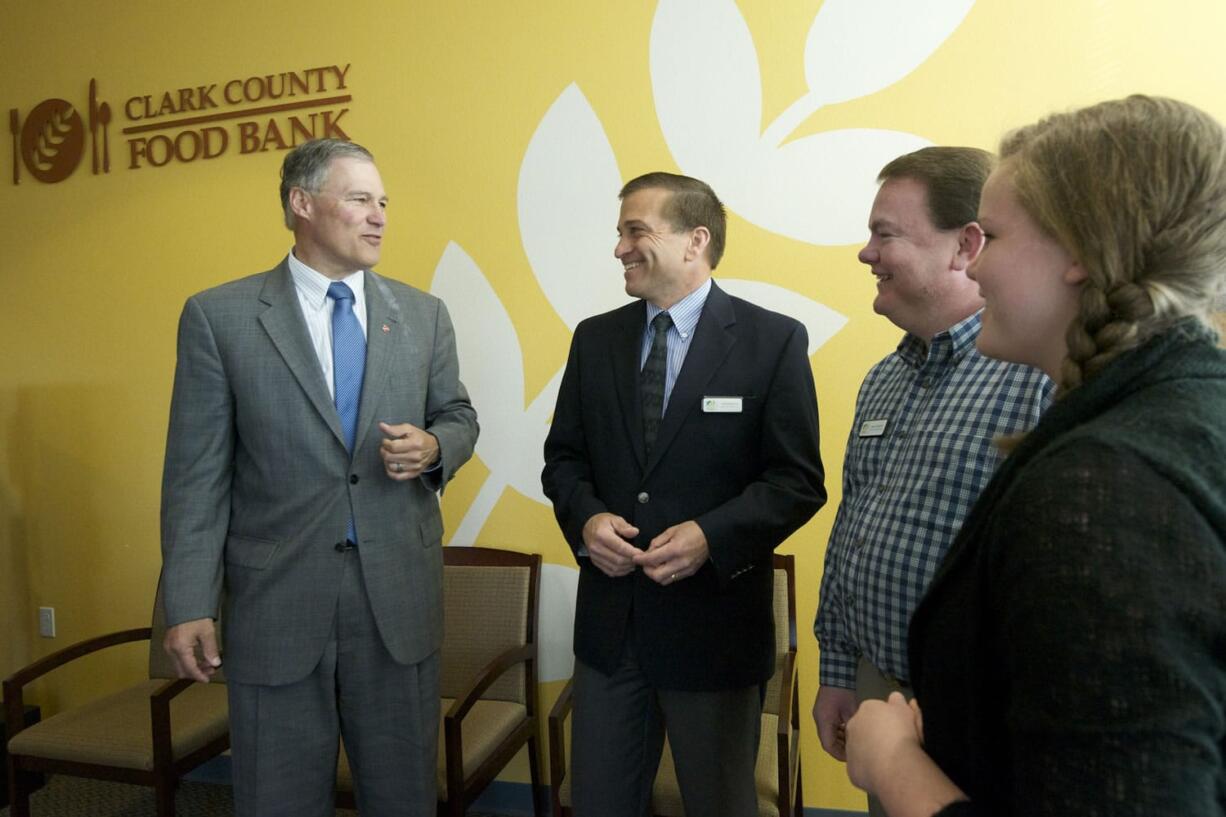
503	798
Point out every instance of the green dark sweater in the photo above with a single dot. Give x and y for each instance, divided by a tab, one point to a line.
1070	655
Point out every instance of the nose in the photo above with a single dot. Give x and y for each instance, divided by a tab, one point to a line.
621	248
377	216
868	254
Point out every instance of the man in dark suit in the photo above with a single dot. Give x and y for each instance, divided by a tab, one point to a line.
317	410
684	449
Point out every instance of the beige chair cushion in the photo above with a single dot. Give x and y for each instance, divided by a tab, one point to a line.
666	794
117	730
486	725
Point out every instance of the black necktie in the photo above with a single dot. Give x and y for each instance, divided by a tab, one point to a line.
651	379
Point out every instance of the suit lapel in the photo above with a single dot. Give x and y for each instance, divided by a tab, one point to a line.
625	349
713	339
286	328
386	333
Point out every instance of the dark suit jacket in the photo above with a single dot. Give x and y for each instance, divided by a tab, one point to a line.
749	479
258	483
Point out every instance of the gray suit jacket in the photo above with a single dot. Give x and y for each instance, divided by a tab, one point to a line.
257	485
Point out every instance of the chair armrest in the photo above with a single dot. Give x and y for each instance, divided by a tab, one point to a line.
453	739
42	666
15	683
787	736
159	712
557	741
487	676
787	684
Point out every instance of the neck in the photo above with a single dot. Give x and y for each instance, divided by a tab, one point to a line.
670	299
305	253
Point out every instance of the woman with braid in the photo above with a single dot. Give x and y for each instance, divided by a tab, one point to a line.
1070	655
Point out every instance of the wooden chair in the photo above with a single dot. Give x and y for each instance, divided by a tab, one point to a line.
488	675
778	770
151	733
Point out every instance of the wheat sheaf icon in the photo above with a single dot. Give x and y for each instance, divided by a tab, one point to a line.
55	133
50	143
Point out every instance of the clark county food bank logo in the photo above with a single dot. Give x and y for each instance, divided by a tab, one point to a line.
252	114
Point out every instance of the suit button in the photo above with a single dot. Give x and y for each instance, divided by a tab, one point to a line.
643	498
353	479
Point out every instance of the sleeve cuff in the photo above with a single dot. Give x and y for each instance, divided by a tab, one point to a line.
837	670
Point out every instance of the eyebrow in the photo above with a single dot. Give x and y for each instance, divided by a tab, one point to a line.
634	222
883	223
359	192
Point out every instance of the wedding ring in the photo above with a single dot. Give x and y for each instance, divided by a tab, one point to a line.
672	578
397	467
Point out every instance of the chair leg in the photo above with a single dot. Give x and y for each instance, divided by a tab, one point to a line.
164	795
534	773
20	784
455	800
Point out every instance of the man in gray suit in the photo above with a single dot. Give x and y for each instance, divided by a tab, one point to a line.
317	411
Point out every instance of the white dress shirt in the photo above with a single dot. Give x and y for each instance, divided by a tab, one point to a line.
312	288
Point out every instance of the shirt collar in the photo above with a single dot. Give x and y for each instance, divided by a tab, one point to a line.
949	346
686	312
312	285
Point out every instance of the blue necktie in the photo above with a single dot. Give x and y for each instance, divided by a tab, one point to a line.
348	366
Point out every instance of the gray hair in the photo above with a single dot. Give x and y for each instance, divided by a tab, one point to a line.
306	166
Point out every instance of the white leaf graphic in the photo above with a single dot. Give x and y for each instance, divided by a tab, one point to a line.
567	201
857	47
708	89
556	622
491	365
818	189
821	322
707	86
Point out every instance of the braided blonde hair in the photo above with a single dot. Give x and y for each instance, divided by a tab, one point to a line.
1135	190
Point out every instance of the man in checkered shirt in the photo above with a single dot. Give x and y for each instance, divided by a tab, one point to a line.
921	445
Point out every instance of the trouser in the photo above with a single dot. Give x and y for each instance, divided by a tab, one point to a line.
617	736
873	684
283	739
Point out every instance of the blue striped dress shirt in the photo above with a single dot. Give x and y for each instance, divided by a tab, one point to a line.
685	314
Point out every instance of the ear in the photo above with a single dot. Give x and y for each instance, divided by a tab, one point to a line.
1075	274
300	203
970	244
700	237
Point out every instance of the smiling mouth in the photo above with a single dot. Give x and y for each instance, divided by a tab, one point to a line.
632	265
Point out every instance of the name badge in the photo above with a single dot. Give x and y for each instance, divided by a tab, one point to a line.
872	428
721	405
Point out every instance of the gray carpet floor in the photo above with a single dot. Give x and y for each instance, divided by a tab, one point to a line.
77	797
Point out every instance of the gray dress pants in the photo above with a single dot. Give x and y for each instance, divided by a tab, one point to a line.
284	738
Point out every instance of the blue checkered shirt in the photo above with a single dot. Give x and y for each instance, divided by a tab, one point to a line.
920	451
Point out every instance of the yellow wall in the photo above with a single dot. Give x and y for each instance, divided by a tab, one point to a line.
448	96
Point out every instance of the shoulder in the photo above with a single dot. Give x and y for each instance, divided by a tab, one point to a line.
748	312
1087	510
402	293
627	315
240	289
1014	377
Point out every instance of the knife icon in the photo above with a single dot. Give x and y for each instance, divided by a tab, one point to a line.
15	130
93	122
